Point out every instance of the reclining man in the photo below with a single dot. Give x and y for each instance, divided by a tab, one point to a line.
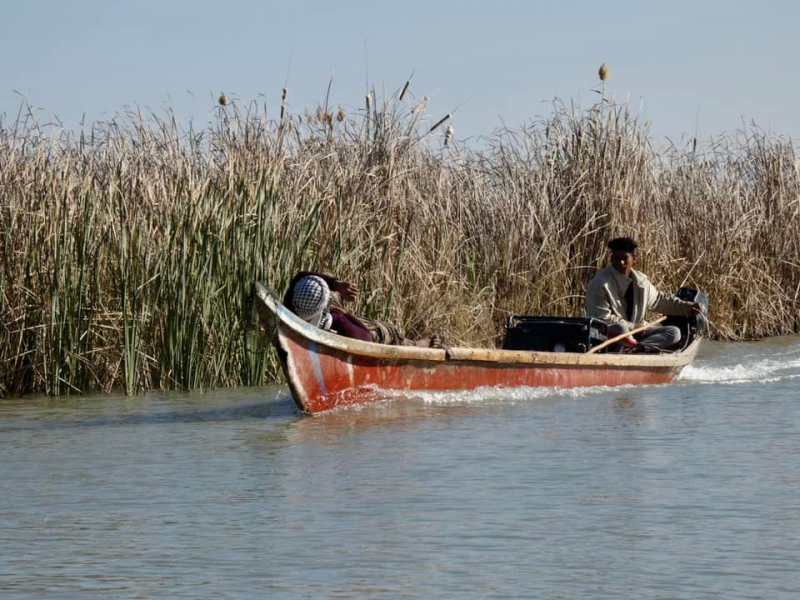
620	296
310	296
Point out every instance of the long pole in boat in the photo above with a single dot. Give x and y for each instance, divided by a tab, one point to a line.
624	335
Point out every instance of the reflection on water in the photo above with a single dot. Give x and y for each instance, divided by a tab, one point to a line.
681	491
175	407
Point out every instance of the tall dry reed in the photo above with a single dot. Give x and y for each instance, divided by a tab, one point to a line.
127	251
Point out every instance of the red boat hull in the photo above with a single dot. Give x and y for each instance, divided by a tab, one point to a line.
323	378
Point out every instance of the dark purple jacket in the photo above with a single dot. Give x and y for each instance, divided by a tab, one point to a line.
343	322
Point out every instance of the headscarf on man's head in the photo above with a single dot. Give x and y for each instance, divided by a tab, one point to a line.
311	297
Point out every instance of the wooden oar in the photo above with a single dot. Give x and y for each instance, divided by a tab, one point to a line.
624	335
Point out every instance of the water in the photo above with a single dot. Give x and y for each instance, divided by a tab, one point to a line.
690	490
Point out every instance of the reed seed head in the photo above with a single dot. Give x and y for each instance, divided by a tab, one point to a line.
405	89
223	99
340	114
420	105
440	121
604	71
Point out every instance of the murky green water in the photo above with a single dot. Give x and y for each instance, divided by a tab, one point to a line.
690	490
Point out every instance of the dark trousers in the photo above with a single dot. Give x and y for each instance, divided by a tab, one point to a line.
655	337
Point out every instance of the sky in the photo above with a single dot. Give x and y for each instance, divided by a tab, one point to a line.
702	67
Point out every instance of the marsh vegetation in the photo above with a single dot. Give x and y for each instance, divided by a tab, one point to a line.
127	250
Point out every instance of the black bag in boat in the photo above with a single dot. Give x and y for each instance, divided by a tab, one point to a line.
553	334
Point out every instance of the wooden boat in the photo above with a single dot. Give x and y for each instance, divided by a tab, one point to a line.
326	371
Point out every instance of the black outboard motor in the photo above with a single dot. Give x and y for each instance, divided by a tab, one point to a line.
693	326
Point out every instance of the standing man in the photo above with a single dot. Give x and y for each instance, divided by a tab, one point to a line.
620	296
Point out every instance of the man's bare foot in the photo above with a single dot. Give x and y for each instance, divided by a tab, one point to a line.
429	341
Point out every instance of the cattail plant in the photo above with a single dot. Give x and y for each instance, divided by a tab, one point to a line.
439	122
284	93
448	135
420	105
604	72
405	89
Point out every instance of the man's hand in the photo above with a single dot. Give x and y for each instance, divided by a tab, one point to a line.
347	290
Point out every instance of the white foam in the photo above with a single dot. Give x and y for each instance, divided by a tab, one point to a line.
763	371
503	395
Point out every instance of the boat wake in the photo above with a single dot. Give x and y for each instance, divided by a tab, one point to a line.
498	395
766	372
748	367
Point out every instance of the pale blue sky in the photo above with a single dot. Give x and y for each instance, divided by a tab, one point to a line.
698	65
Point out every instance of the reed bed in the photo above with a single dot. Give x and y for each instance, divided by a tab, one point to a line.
128	250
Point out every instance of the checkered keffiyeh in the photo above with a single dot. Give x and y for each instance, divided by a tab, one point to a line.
311	297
